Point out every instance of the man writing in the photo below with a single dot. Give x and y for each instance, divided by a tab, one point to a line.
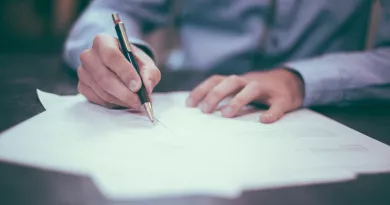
285	54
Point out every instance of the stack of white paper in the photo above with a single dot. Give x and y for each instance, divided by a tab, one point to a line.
188	152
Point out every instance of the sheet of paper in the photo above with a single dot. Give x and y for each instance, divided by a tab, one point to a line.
49	100
193	153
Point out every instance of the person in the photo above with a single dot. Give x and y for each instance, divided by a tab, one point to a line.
284	54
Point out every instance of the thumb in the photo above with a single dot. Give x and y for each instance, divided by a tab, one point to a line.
275	112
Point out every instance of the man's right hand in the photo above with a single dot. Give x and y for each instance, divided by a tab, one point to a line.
108	79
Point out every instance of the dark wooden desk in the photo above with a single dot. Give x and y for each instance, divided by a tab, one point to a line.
20	76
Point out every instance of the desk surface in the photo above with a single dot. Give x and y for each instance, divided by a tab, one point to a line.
21	75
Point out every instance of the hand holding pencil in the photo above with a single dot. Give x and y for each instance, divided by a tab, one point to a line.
107	78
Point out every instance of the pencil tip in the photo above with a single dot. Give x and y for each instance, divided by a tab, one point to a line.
149	112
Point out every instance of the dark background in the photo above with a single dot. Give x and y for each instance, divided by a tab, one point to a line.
36	26
41	27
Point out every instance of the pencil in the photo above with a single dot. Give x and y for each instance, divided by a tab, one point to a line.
128	52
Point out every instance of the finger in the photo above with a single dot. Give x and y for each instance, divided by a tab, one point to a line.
141	57
151	76
86	78
107	97
227	87
108	50
275	111
251	92
107	80
91	95
201	90
149	72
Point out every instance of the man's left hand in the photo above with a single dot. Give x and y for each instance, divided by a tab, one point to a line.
281	89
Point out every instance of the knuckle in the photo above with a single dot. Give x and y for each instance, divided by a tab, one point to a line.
157	74
79	72
82	74
124	73
202	89
126	77
255	89
99	39
110	56
254	84
215	78
198	92
240	100
84	56
237	101
216	93
234	79
80	88
145	72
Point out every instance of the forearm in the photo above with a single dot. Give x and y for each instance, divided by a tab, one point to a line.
342	77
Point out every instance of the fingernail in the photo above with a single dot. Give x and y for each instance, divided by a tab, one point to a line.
133	86
266	118
189	102
227	112
203	107
267	115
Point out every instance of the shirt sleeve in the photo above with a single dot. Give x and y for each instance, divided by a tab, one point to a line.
139	17
352	76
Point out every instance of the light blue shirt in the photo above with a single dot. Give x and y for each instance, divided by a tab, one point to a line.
323	40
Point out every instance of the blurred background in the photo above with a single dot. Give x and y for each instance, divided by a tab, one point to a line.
36	25
41	26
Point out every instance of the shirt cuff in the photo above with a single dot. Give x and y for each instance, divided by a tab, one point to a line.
321	81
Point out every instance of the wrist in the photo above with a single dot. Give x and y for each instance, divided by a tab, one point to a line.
297	85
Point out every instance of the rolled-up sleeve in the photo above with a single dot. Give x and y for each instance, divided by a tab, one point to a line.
352	76
139	17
